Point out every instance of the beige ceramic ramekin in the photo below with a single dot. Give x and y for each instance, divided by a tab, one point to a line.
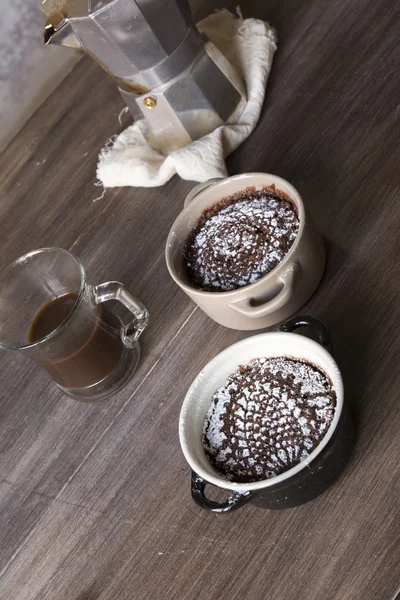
274	297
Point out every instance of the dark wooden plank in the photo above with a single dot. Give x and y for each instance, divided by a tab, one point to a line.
48	201
95	499
144	533
45	436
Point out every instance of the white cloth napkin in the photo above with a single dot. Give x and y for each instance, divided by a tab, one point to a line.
249	45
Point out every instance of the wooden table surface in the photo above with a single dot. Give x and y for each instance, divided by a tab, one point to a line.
95	499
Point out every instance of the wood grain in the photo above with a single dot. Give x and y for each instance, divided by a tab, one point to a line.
95	501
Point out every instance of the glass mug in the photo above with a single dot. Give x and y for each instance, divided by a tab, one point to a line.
49	312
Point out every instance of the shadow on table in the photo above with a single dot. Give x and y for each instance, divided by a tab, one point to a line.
350	333
273	10
89	594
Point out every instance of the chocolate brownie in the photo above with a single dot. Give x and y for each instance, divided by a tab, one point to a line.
240	239
267	417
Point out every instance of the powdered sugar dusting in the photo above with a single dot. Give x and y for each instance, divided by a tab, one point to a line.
241	239
267	417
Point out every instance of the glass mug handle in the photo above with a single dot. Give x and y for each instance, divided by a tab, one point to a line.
113	290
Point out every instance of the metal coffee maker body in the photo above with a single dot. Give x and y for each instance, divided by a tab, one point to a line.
177	84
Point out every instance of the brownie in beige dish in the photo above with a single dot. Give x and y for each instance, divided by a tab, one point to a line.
246	251
240	239
267	418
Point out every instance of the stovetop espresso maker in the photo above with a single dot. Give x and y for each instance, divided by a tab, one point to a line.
176	83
